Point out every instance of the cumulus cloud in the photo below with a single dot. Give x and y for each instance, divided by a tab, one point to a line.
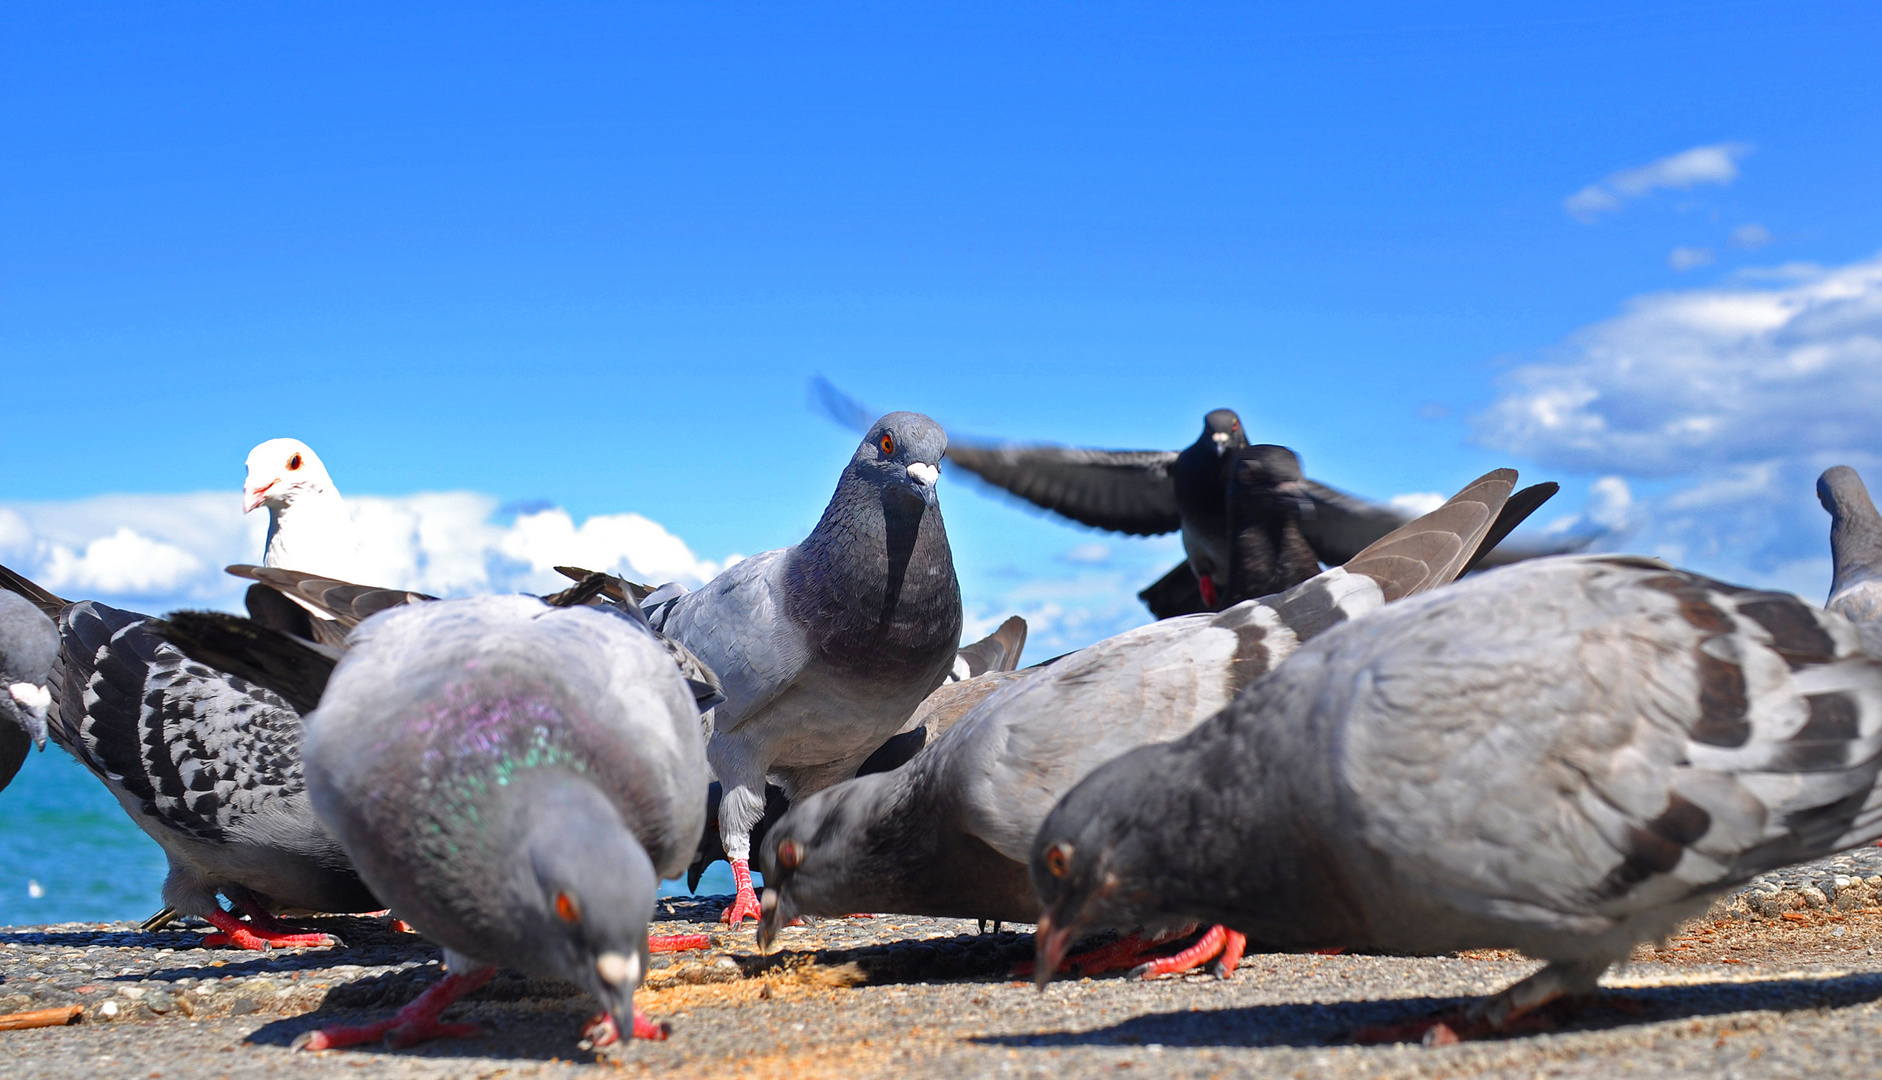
1714	164
156	552
1416	503
1726	401
1751	237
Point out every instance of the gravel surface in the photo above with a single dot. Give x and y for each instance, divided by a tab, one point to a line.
1780	979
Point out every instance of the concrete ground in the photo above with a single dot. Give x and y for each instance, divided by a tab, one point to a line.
1791	991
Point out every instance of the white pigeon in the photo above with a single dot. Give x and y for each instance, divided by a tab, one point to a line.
309	527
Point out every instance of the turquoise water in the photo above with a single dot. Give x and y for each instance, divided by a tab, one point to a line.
64	838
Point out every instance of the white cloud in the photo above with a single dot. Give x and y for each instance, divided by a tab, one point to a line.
1715	164
1416	503
1686	258
1726	402
1751	237
1092	554
157	552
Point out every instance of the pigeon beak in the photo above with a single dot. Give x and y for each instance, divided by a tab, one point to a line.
1221	440
254	497
33	700
774	916
1049	944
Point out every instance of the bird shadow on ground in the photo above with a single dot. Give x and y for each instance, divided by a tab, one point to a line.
1334	1023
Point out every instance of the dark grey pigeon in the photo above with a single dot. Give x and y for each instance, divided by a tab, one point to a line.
826	648
1149	492
1855	546
949	834
1568	757
515	778
29	645
207	764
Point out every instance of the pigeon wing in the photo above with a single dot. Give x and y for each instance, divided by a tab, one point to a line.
342	601
1127	491
1679	736
736	625
202	750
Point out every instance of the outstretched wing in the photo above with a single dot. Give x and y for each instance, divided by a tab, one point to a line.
1600	737
1127	491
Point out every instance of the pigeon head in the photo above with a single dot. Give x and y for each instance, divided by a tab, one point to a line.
817	859
1223	429
280	471
29	643
1841	491
1085	861
584	888
903	448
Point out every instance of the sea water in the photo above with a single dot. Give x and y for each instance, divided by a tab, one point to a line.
69	853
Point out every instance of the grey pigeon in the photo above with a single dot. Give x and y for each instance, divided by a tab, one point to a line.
1855	546
1149	492
1568	757
826	648
207	764
515	778
29	645
974	668
950	833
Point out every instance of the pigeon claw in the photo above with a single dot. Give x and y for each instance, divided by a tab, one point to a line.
745	905
257	938
415	1023
1219	943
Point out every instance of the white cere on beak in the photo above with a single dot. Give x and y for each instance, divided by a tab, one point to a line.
30	696
1221	439
924	472
616	969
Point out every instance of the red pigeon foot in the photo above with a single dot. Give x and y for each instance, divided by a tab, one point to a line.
745	906
1207	584
1219	941
411	1025
243	936
1126	952
678	942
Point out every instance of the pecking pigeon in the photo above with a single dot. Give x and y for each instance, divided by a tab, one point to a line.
29	645
515	778
950	833
826	648
207	764
1568	757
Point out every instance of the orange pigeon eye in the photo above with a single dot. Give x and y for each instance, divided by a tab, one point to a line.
566	908
294	462
887	443
1059	859
790	855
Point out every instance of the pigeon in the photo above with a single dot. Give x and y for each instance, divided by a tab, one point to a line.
950	833
515	778
825	648
29	645
1568	757
1150	492
1855	546
206	763
974	668
309	526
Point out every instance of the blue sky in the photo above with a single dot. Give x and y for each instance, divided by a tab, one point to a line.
587	260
